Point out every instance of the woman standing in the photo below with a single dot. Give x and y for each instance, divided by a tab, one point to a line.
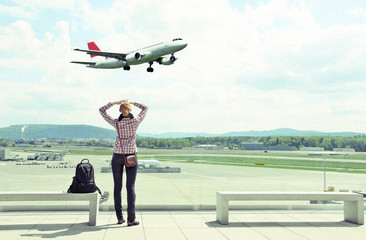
125	144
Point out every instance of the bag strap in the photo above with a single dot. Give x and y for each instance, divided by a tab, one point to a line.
85	159
119	137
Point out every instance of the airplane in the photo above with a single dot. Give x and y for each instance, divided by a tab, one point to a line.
162	53
149	163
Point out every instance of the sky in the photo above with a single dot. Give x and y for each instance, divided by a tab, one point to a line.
249	65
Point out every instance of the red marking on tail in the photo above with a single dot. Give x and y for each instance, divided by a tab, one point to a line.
93	47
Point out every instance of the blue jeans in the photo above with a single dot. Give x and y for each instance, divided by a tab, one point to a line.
117	169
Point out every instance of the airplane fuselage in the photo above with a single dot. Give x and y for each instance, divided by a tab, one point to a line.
148	54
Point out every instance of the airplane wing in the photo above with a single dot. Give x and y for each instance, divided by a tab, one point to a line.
86	63
121	56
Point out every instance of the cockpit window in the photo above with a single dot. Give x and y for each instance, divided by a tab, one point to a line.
176	39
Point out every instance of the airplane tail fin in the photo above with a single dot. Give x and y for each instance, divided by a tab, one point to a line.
93	47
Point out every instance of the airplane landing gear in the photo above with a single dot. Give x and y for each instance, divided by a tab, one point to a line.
127	68
150	69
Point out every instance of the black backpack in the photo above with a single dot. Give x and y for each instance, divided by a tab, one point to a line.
83	181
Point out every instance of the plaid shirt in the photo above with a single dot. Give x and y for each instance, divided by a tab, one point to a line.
127	128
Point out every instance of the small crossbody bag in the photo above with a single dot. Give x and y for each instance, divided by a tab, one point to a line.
130	160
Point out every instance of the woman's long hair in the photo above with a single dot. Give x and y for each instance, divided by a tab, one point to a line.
125	109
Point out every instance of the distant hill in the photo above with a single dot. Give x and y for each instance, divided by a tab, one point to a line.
291	132
266	133
37	131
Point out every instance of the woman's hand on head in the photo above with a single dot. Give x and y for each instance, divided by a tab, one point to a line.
119	102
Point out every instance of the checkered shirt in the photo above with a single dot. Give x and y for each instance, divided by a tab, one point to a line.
127	128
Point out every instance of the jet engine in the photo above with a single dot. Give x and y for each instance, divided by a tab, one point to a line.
133	57
168	60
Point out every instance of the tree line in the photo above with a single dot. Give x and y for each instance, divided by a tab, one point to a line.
328	143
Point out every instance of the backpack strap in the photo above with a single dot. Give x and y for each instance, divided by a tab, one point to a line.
100	192
103	197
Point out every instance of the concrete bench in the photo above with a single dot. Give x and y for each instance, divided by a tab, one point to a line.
353	202
93	199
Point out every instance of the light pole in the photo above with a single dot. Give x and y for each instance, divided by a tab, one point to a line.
23	128
324	173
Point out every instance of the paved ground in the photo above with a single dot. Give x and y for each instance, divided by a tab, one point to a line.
169	225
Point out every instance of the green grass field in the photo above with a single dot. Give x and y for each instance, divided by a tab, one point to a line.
346	162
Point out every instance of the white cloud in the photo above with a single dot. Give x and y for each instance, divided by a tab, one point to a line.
16	11
300	15
18	39
43	4
266	14
357	12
